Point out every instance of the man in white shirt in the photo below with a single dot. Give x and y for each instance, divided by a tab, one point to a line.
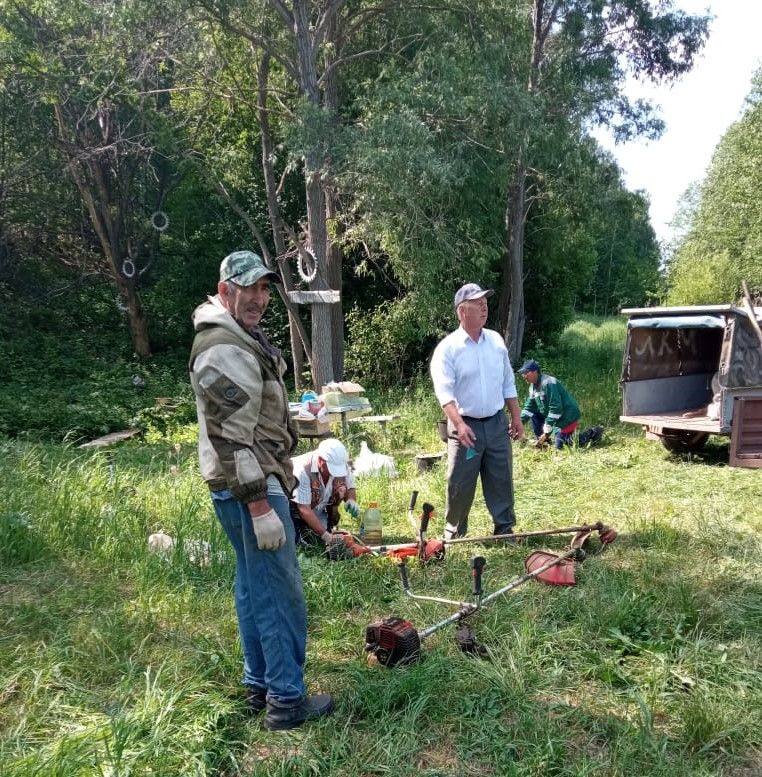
324	482
474	382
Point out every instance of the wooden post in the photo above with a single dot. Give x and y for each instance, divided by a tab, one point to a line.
326	297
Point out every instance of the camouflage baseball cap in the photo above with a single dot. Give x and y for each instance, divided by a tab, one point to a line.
245	268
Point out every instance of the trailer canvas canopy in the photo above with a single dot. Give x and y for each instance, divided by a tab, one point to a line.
681	322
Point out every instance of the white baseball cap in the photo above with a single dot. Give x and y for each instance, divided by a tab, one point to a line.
471	291
335	455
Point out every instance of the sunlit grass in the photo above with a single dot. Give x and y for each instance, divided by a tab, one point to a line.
117	662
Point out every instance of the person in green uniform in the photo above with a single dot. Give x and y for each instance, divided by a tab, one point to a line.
553	411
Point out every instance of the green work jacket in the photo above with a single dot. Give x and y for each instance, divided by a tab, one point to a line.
550	399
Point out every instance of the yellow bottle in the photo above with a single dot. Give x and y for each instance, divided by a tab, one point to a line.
372	525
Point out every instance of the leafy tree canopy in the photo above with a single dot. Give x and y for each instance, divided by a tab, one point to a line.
723	245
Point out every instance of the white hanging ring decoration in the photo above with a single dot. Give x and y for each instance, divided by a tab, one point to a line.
160	221
303	274
128	268
120	304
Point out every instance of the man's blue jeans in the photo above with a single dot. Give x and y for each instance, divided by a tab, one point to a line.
269	601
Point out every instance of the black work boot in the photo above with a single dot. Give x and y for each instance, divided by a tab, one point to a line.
256	698
591	436
282	716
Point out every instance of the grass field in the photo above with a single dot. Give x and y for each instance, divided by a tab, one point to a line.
116	662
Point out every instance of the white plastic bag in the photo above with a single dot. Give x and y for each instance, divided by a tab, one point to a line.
370	463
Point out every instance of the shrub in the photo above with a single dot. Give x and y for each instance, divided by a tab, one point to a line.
387	345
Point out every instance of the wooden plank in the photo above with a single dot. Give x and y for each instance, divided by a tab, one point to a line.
327	297
746	436
379	419
674	421
109	439
348	414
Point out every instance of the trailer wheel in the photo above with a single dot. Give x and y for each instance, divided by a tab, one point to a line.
683	440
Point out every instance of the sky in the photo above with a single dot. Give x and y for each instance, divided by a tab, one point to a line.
697	109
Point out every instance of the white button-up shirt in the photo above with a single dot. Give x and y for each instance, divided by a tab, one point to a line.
477	375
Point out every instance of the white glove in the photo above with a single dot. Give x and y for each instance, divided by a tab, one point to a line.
326	536
547	429
352	508
269	531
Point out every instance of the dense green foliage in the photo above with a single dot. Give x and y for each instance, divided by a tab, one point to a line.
67	369
115	661
109	113
432	167
723	241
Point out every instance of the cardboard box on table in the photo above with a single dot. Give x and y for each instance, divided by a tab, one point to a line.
344	397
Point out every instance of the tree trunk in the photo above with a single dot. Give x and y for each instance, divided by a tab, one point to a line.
322	345
333	250
334	282
94	192
511	305
298	348
141	343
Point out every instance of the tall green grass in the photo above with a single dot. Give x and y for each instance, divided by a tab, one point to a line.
117	662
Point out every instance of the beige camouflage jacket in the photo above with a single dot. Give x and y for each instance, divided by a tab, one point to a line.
244	429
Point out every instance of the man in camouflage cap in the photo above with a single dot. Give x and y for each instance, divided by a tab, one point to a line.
245	443
245	268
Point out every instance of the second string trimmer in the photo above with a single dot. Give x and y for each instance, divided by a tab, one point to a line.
395	640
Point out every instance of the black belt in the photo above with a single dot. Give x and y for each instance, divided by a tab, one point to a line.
469	418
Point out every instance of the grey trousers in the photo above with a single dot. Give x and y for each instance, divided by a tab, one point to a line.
491	458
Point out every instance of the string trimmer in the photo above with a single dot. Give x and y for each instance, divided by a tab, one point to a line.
395	640
434	549
346	545
425	549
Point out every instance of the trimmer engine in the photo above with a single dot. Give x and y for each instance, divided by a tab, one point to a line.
393	641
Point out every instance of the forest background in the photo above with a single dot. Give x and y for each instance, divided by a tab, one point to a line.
386	152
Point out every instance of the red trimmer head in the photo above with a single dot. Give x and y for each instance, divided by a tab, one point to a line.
344	546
